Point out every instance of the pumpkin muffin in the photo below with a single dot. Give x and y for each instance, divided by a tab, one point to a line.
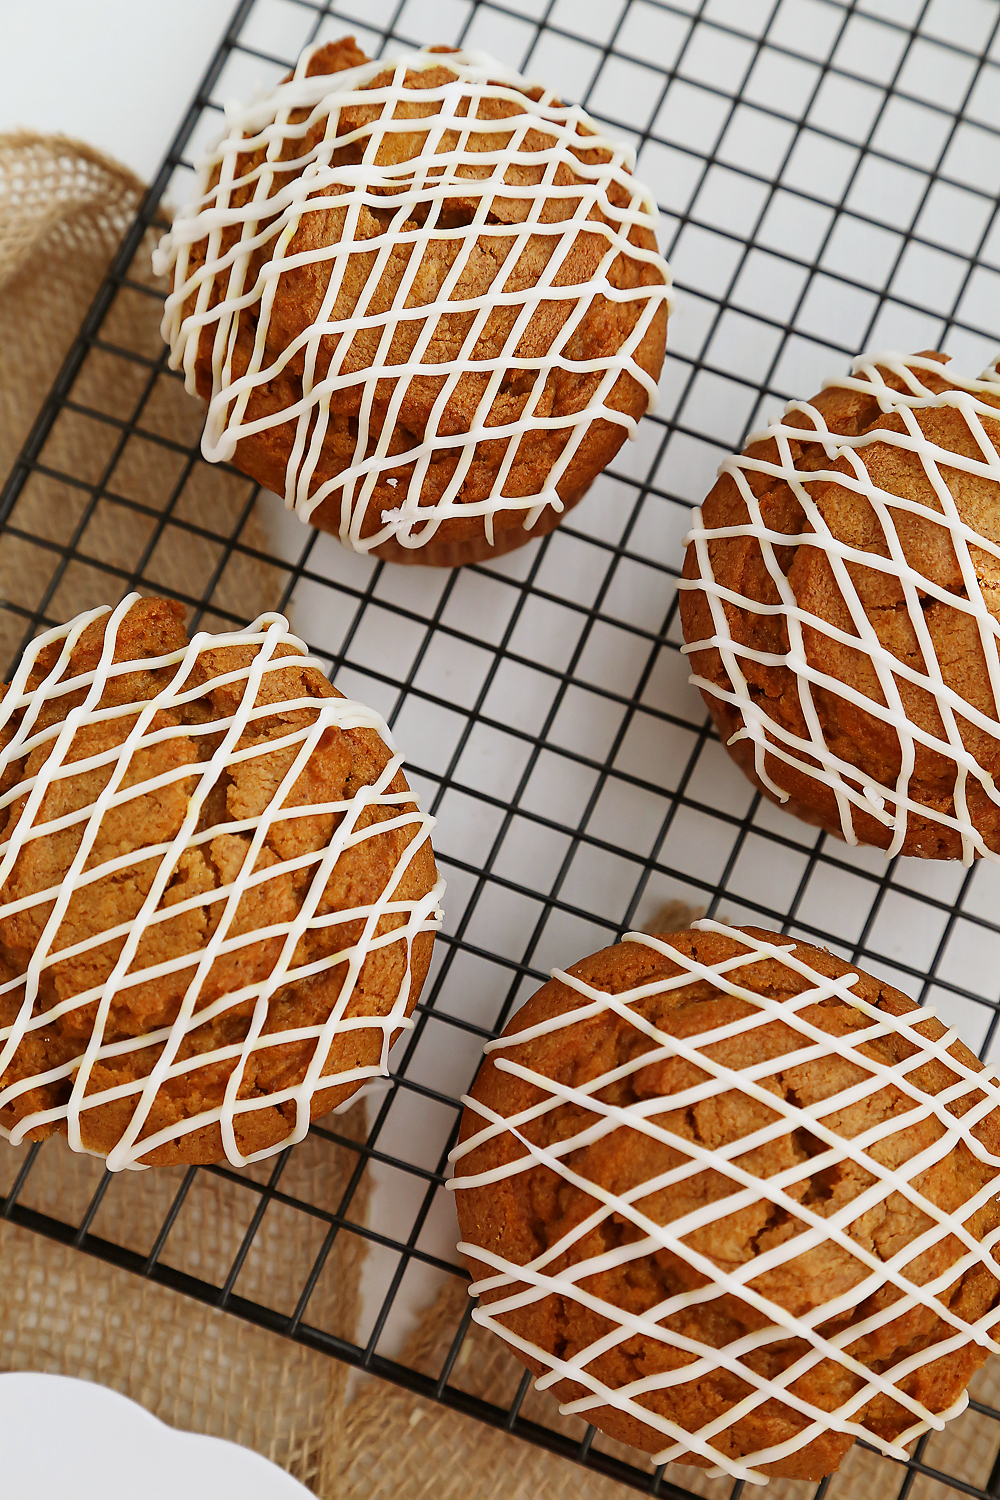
217	897
735	1202
422	299
841	608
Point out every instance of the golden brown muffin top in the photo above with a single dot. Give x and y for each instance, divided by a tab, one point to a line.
357	196
708	1152
841	605
200	844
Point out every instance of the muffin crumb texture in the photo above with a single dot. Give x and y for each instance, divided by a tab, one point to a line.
841	607
422	299
734	1202
217	897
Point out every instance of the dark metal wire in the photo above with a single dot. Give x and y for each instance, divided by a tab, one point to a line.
482	880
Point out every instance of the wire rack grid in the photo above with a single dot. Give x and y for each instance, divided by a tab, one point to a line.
827	174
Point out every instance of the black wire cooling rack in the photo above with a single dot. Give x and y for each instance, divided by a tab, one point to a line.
828	176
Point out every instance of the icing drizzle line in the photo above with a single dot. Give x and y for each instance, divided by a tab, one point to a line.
810	753
267	634
525	1285
475	168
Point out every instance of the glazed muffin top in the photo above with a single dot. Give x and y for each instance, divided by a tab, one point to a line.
722	1171
841	606
212	880
339	209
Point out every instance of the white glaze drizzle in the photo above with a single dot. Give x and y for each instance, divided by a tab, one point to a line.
267	634
852	787
269	223
528	1284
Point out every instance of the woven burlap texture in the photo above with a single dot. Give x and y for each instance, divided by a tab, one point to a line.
63	209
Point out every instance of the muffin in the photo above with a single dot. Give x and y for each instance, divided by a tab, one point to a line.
840	606
734	1201
428	337
217	897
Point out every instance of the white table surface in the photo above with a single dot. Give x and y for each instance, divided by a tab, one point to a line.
109	1448
114	73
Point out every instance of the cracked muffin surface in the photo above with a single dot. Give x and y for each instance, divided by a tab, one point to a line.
649	1314
310	321
134	985
852	671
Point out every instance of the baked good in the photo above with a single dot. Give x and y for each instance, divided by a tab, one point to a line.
217	897
840	606
324	227
735	1202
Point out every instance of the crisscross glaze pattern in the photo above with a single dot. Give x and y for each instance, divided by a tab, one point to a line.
610	1146
825	180
116	790
483	214
877	596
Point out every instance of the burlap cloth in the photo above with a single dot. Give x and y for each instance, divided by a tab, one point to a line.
63	209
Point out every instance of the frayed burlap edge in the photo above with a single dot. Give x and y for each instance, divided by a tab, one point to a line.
63	211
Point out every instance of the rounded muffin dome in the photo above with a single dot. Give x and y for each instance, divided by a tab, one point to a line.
735	1202
422	299
217	897
841	607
